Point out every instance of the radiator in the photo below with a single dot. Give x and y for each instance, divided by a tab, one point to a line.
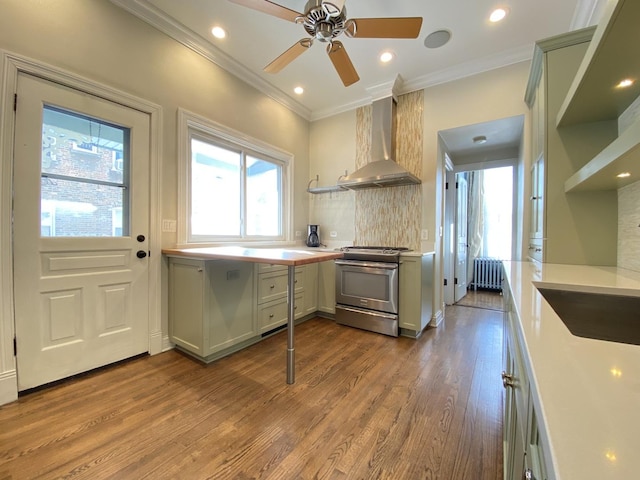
487	273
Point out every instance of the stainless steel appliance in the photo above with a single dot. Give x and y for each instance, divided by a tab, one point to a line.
367	288
313	236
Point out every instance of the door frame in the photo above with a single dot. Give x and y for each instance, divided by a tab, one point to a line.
12	64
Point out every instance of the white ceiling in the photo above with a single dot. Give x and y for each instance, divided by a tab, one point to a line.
254	39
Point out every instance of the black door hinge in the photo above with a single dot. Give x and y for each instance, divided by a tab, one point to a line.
445	282
456	185
15	347
446	186
15	102
455	281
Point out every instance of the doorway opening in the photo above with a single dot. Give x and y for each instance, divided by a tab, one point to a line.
481	213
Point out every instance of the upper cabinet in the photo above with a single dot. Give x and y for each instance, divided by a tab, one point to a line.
594	96
569	229
612	56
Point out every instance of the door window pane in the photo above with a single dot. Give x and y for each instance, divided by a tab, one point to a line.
84	176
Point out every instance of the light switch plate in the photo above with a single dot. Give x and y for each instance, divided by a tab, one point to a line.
424	235
168	225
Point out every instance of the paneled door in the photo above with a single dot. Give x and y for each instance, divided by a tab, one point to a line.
80	231
462	196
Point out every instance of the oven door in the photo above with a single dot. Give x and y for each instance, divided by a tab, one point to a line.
371	285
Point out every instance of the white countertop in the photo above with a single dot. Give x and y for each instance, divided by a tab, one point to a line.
586	391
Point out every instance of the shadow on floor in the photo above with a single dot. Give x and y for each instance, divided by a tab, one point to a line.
487	299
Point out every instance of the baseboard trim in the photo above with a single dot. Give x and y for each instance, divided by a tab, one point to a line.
8	387
437	319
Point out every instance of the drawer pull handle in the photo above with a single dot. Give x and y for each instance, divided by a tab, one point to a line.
528	475
508	380
271	315
272	286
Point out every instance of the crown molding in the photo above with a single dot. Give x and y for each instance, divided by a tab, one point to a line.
167	25
587	12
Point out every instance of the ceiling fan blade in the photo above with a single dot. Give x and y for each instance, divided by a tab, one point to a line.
342	63
289	56
403	27
265	6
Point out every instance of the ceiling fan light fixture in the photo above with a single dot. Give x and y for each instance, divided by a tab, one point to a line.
437	39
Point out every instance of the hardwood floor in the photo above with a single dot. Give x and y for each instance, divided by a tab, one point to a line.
489	299
364	406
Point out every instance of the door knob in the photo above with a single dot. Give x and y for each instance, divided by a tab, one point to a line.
140	238
141	254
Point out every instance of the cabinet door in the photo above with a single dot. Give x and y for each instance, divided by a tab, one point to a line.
231	306
410	298
310	304
327	287
186	303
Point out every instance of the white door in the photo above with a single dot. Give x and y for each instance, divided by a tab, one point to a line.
462	195
80	232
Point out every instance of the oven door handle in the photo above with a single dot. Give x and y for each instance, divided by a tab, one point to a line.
359	263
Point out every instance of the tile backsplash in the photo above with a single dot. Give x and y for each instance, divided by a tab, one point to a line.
629	227
391	216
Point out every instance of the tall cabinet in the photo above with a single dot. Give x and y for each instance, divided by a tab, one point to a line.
565	228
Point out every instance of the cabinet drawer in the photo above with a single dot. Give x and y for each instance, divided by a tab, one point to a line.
274	314
272	286
270	267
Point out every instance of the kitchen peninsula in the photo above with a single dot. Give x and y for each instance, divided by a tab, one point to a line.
291	258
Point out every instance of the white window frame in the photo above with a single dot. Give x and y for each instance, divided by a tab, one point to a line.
191	125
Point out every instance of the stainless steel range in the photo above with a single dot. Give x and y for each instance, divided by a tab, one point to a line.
367	288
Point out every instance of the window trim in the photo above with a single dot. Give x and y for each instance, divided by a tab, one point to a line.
190	124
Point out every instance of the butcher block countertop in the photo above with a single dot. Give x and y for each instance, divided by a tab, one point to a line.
276	256
587	391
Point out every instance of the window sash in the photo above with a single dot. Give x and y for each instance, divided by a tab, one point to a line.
197	128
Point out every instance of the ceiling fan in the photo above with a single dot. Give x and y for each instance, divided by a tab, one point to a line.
326	20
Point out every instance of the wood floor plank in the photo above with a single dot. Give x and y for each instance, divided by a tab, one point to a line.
363	406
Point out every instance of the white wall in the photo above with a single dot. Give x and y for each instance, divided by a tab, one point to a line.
103	43
332	150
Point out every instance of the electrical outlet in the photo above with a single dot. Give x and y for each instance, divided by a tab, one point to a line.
168	225
298	233
333	234
424	235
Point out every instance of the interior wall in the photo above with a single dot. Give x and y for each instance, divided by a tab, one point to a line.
629	227
332	151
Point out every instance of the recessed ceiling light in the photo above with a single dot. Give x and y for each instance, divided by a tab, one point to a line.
623	175
298	90
218	32
386	57
627	82
480	139
498	14
437	39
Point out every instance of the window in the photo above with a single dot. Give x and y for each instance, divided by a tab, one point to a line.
79	188
234	188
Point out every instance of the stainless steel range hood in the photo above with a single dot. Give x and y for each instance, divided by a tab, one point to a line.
383	171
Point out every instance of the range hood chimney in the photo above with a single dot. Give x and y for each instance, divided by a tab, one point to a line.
382	171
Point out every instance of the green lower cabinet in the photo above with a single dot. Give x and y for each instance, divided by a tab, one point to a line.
211	306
